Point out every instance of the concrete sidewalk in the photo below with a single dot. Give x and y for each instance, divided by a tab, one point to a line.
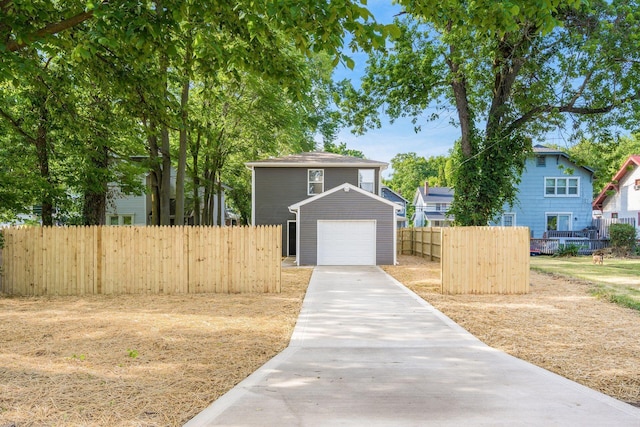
368	352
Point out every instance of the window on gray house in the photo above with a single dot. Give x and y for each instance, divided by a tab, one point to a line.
366	179
315	181
541	161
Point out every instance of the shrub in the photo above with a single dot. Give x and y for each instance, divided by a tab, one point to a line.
623	238
567	250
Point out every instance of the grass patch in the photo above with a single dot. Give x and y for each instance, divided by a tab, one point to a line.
617	281
624	296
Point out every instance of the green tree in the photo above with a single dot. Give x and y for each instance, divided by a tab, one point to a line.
341	148
411	171
142	61
605	156
512	71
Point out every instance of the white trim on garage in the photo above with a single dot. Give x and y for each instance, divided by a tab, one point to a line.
346	242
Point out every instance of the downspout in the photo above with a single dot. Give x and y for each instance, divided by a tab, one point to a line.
395	234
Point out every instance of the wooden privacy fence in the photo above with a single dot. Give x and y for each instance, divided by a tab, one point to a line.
473	260
134	260
485	260
423	241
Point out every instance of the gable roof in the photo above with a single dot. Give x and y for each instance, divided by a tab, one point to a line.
626	166
436	194
387	190
544	150
346	187
316	158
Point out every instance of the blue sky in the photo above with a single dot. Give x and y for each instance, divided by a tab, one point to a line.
435	138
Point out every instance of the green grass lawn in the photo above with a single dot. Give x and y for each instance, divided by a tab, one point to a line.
617	280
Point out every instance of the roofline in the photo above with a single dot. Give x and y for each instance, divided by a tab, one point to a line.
397	194
599	200
345	187
563	154
252	165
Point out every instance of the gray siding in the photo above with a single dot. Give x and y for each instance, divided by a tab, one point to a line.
346	206
278	188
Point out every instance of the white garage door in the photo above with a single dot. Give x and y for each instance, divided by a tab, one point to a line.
346	242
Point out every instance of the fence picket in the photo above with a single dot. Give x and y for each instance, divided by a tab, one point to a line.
118	260
477	260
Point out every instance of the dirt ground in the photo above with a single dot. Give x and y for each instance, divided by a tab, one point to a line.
558	326
159	360
135	360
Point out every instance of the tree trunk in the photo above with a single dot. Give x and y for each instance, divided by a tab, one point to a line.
220	202
195	150
155	177
42	152
95	194
182	154
165	182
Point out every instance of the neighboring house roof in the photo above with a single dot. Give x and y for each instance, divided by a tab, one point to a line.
436	194
344	187
627	166
389	194
541	149
317	158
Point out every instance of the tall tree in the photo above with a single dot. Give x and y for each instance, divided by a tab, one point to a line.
512	71
145	59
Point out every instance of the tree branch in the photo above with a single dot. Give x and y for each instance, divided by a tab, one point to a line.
50	29
579	92
16	125
568	108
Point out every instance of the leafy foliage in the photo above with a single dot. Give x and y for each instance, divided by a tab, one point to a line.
567	250
196	86
605	156
331	147
510	74
623	238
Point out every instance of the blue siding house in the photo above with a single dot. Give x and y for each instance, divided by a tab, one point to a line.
554	194
392	196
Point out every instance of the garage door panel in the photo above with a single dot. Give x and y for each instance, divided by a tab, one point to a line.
346	242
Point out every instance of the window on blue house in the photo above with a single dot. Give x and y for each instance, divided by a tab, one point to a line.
508	220
559	221
561	187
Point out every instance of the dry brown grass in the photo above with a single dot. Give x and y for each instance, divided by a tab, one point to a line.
135	360
159	360
558	326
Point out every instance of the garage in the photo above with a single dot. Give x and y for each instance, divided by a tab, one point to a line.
346	242
345	225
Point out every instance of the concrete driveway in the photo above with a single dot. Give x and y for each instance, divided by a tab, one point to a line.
366	351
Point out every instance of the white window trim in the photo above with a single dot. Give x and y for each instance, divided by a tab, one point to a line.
514	219
556	178
373	181
309	193
547	214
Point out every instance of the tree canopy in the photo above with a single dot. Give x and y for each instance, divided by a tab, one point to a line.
511	71
195	86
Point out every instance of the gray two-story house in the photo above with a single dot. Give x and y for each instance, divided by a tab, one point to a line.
329	207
